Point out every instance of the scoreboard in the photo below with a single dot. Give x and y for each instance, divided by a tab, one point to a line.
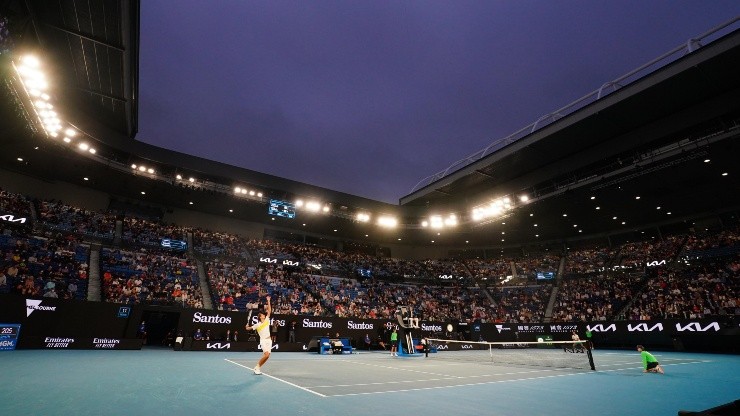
9	336
279	208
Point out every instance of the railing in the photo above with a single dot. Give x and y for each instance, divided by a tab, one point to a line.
607	88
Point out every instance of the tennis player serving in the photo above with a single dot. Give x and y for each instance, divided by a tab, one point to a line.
649	363
263	329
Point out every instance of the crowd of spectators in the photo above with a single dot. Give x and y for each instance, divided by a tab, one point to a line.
220	244
533	263
143	232
312	280
149	276
14	204
594	297
588	260
495	269
637	255
56	215
521	304
43	267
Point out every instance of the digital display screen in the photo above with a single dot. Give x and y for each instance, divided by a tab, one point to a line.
281	209
545	275
365	272
174	244
9	336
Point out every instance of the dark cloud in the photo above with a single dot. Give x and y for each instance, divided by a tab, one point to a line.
370	97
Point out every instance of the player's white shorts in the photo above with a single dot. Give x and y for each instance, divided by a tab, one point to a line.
266	344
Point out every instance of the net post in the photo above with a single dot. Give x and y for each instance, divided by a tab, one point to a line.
590	357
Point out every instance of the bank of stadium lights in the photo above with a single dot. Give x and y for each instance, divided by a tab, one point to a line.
180	178
437	221
238	190
495	208
142	168
312	206
387	221
36	85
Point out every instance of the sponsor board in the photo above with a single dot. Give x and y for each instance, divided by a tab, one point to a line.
218	345
56	342
696	327
9	336
105	343
359	325
643	327
500	328
308	323
202	318
563	328
538	329
431	327
11	218
602	328
35	305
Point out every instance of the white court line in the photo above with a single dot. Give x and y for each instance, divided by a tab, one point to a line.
431	379
497	381
397	368
279	379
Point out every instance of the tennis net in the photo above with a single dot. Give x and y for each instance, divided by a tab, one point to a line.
556	354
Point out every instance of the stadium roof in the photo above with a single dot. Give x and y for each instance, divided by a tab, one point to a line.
649	139
94	45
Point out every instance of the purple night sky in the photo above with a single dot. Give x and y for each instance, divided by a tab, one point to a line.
369	97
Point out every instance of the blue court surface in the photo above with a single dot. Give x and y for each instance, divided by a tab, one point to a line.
164	382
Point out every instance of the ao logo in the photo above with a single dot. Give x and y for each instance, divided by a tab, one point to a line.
696	327
600	328
643	327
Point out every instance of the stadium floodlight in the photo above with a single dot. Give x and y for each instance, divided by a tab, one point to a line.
92	150
150	170
259	194
133	166
425	223
66	139
31	61
362	217
83	146
313	206
244	191
435	221
251	193
325	208
451	220
524	198
387	221
191	179
495	208
299	203
142	168
178	177
70	132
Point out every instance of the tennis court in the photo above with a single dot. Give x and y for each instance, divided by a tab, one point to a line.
163	382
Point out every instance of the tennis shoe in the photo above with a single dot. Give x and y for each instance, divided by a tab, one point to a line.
257	370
